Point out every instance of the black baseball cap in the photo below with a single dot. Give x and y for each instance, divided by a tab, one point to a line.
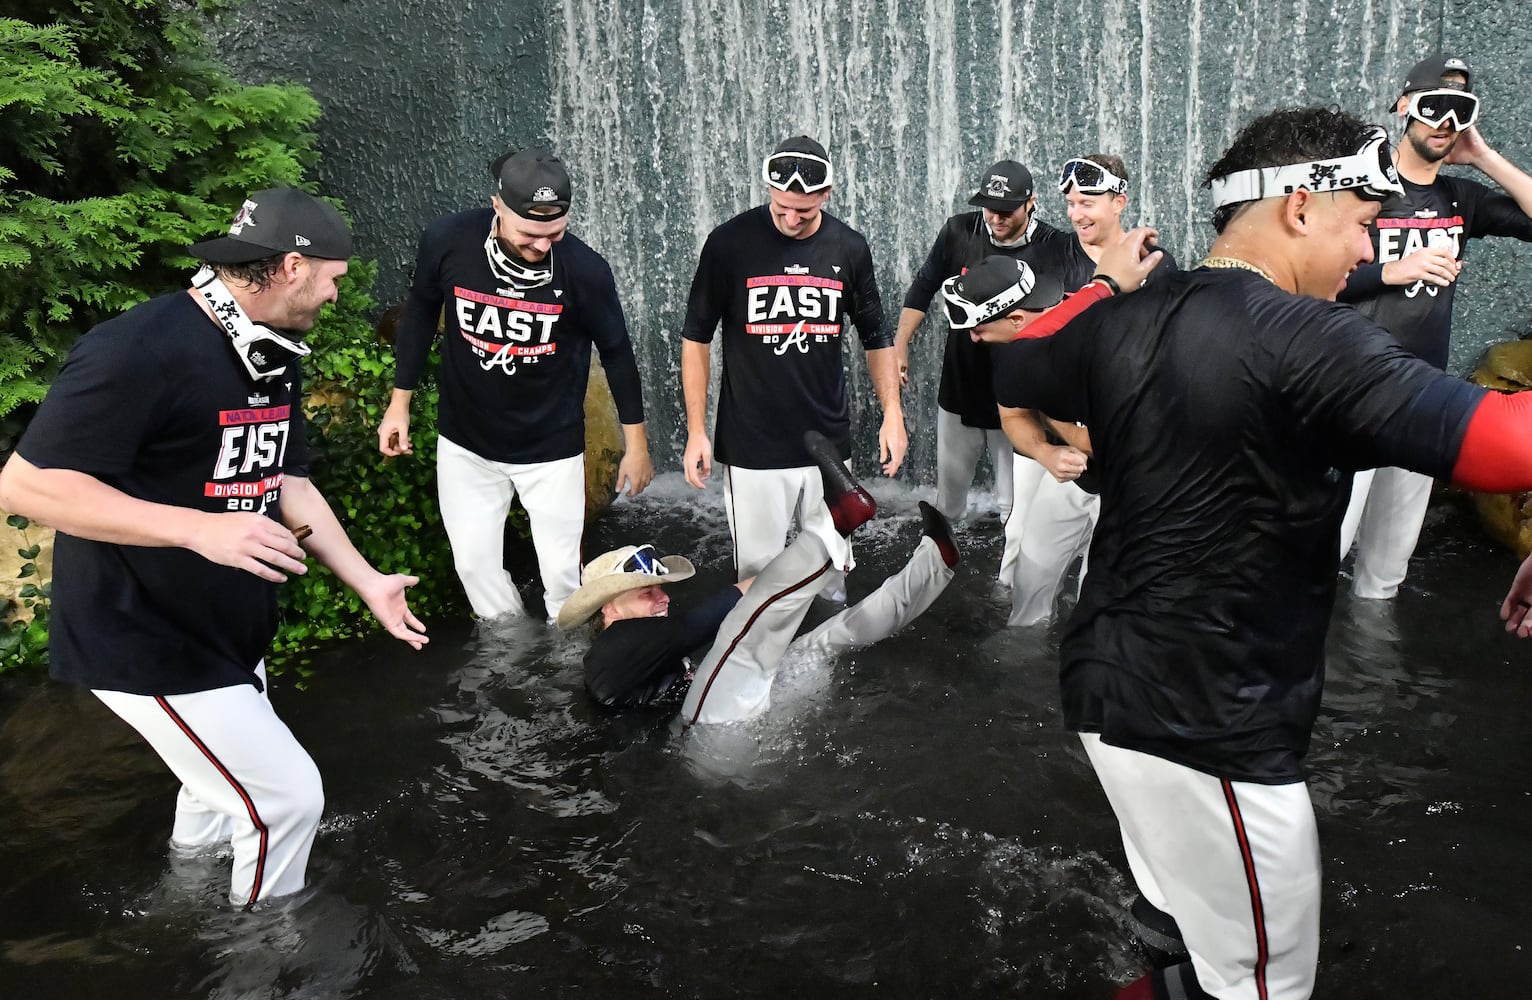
801	144
995	287
531	179
278	221
1006	187
1427	74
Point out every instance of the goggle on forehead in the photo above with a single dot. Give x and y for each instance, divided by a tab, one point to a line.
1438	107
1090	177
809	172
963	314
644	560
1369	172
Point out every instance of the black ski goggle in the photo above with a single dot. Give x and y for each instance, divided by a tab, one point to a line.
807	171
1090	177
1439	107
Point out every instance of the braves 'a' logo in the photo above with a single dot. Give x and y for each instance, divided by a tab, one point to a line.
797	338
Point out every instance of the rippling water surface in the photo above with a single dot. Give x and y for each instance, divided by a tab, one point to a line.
909	821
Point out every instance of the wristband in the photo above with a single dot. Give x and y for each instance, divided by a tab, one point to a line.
1108	281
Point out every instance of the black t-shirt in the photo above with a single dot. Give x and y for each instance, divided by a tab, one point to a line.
1448	213
966	383
784	304
514	363
637	660
154	403
1228	416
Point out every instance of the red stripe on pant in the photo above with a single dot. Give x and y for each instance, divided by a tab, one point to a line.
1257	910
255	817
740	637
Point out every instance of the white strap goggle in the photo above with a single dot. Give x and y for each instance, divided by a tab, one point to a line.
965	315
1369	170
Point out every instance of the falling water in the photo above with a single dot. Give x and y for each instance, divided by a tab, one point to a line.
664	112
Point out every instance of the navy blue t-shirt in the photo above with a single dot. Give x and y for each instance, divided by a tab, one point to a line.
156	404
1449	212
637	660
514	363
784	304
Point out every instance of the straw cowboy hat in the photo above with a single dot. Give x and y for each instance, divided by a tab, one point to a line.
631	567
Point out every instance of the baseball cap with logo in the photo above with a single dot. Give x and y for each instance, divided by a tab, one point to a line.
995	287
1427	74
278	221
530	183
1006	187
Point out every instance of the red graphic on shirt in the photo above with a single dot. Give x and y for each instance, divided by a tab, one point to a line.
505	332
794	305
247	474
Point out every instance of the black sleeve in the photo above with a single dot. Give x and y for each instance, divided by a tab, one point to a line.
1494	213
109	381
1376	403
1045	373
704	304
938	267
607	328
866	301
422	310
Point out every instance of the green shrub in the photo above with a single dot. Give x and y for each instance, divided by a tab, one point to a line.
388	505
124	142
22	642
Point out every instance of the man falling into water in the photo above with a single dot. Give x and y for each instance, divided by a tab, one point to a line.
1229	406
785	279
525	303
639	652
169	454
1419	239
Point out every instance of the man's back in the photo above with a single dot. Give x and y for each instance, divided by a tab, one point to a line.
1227	415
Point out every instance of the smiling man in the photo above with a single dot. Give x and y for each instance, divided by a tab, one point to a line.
525	302
1419	240
785	280
175	527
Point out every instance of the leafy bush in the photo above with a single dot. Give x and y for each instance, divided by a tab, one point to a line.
124	143
388	505
23	642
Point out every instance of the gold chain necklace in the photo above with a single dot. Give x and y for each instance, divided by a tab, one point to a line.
1243	265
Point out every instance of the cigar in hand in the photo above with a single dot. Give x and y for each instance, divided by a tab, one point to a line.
301	532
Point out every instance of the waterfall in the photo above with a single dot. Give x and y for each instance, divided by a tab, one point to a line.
664	109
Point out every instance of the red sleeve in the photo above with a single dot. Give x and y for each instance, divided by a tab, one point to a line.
1496	454
1074	304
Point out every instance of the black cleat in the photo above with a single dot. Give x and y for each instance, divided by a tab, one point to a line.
934	526
850	505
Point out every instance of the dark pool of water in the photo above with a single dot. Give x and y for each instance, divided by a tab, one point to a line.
908	822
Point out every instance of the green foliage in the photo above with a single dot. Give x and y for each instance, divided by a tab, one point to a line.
388	505
124	143
22	642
